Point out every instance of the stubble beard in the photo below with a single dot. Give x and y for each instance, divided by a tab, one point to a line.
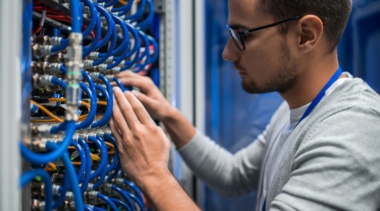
285	79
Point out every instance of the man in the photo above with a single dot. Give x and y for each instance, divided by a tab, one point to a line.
321	149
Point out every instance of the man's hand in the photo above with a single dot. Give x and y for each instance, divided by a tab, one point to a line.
143	147
150	96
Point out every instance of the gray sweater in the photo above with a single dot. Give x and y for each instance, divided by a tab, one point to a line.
332	162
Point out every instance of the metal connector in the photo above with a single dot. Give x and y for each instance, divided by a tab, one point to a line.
69	196
94	55
73	76
45	50
115	70
45	80
54	41
55	68
102	68
109	77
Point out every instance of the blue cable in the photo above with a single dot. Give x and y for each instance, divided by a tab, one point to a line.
134	188
156	49
123	9
63	45
118	82
108	113
92	113
110	49
86	178
58	82
146	53
136	49
124	195
39	159
125	38
148	21
98	209
109	32
121	203
139	203
102	168
116	171
107	200
76	15
31	175
62	191
72	175
83	158
88	49
111	3
116	155
88	208
136	16
93	18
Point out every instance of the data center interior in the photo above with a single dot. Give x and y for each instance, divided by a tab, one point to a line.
50	49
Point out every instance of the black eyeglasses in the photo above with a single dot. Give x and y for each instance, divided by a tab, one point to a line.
237	37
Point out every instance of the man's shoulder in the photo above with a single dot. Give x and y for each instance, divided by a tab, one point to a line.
352	94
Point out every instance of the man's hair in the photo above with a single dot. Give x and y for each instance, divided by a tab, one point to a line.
333	13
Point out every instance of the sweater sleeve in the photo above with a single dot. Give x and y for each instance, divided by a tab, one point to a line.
337	167
228	174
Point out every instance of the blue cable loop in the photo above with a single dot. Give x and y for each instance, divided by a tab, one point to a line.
92	113
136	50
123	9
71	173
110	49
146	53
31	175
118	82
139	203
108	113
109	32
116	171
134	188
111	3
88	49
83	158
101	170
121	203
147	22
116	155
93	18
124	195
58	82
156	49
125	38
86	178
45	158
136	16
107	200
62	191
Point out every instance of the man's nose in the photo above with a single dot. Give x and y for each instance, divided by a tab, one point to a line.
229	52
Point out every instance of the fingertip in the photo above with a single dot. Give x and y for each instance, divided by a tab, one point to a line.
116	89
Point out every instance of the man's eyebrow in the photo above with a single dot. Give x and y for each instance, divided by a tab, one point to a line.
238	26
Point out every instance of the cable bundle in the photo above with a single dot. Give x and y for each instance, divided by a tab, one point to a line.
73	153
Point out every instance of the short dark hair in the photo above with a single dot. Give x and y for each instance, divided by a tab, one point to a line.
333	13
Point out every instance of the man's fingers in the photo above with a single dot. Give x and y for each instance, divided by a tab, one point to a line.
127	112
116	134
139	109
119	119
145	100
129	78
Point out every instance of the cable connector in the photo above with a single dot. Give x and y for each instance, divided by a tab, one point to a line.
45	50
69	196
73	76
55	41
55	67
115	70
45	80
102	68
94	56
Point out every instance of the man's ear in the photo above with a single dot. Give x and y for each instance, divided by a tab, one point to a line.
309	31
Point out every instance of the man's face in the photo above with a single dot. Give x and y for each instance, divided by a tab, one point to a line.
266	65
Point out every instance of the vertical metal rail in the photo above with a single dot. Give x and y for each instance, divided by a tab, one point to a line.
10	104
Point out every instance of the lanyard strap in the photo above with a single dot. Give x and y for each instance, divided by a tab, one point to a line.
321	94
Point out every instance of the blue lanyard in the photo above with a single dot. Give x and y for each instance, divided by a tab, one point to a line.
315	102
321	94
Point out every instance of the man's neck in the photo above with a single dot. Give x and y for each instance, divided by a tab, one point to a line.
310	83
